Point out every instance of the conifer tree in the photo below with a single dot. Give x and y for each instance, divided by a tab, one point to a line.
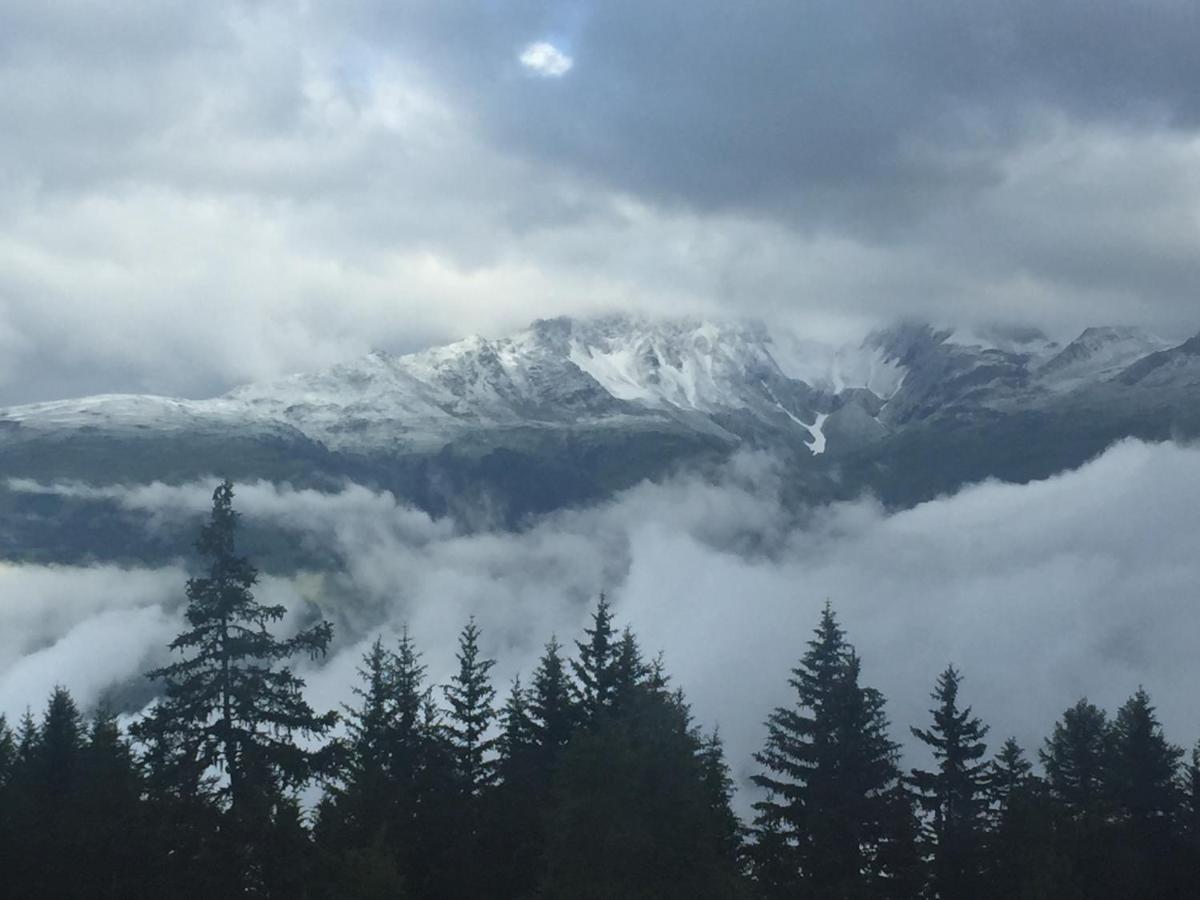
231	703
112	817
552	708
1142	767
470	695
1076	757
829	768
43	799
60	744
1190	791
8	750
1141	786
1189	810
629	669
355	819
633	810
516	742
383	822
408	736
898	868
596	668
514	838
363	792
1023	858
954	795
719	786
1010	772
182	814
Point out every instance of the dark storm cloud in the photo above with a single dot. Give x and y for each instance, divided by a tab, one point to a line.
846	113
192	198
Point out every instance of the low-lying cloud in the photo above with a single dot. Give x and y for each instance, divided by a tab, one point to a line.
1082	584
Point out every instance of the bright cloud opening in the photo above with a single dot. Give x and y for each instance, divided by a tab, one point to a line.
546	60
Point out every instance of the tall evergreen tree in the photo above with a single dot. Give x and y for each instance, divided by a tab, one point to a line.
629	668
552	708
514	833
1142	767
1189	810
53	781
954	795
369	827
8	750
596	668
112	817
1022	854
829	768
230	702
363	788
1190	791
719	786
355	821
470	696
1076	757
633	811
1142	789
517	736
1010	771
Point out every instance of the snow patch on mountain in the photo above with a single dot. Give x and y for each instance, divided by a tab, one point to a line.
729	380
1098	354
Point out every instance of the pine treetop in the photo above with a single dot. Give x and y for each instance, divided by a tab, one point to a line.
470	696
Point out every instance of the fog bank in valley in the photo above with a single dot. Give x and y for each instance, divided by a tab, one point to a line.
1082	584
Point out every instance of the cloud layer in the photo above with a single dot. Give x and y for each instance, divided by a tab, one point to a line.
1041	593
190	201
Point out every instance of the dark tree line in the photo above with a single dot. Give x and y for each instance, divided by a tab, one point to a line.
588	780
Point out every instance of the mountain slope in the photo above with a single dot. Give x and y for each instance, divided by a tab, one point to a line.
568	411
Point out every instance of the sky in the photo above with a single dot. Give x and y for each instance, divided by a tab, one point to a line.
1080	585
196	196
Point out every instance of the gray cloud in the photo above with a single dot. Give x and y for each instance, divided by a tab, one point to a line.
191	201
1040	593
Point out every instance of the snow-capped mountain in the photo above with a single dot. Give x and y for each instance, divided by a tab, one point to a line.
568	410
1097	354
561	373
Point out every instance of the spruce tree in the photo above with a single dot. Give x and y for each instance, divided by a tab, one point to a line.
354	820
829	768
8	750
1189	810
635	810
470	695
112	817
517	737
1142	767
719	786
59	782
1010	772
1190	791
364	793
552	708
514	834
596	668
629	669
1141	784
954	795
1076	757
231	703
1023	858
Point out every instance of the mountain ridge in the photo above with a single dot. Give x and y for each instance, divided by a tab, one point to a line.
567	411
